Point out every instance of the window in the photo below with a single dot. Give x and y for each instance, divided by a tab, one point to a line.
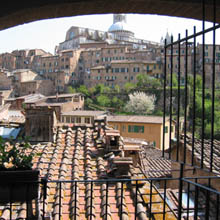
123	128
136	69
122	70
78	120
135	129
116	127
166	129
87	120
72	120
67	119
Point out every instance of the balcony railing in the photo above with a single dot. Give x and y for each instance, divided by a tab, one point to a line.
119	199
198	103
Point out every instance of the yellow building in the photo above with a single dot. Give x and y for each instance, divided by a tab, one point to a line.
149	128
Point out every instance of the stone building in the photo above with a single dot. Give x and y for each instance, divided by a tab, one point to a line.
208	60
39	124
148	128
8	61
118	33
43	115
120	72
22	59
175	68
5	81
43	86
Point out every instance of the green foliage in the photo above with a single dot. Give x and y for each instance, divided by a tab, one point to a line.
103	100
15	156
129	86
88	101
207	112
146	81
198	81
70	89
117	89
82	89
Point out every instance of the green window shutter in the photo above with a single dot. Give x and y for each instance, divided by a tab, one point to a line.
136	129
129	128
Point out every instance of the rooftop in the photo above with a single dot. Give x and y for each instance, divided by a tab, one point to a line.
84	113
136	119
74	156
206	152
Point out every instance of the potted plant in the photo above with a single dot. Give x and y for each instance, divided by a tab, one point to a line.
19	182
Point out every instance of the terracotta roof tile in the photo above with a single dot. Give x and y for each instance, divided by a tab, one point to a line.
154	165
74	156
206	152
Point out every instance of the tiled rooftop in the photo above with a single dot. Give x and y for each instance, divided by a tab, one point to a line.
206	152
154	165
136	118
75	156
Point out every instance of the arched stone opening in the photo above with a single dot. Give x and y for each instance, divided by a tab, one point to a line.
23	11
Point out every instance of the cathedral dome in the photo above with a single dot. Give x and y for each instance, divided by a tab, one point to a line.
119	26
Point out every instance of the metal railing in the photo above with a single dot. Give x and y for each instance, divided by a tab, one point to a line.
188	100
173	198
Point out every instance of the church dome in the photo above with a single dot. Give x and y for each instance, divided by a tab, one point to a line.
119	26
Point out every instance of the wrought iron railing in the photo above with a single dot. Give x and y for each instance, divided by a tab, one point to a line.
188	100
174	198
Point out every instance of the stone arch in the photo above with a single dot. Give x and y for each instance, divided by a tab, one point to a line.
23	11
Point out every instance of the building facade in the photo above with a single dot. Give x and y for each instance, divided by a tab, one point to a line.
148	128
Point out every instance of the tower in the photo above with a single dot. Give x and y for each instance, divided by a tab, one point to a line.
119	18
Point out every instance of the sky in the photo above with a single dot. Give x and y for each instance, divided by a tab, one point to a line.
46	34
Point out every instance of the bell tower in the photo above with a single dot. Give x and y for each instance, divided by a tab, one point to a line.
119	18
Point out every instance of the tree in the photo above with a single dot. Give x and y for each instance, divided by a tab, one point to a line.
103	100
146	81
82	89
140	103
117	89
198	81
70	89
129	86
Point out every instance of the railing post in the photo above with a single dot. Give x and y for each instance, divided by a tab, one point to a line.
44	183
180	191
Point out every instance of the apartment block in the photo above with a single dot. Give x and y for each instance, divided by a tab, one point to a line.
120	72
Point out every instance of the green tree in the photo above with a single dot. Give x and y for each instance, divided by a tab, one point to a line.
82	89
70	89
174	79
103	100
198	81
117	89
146	81
129	86
88	101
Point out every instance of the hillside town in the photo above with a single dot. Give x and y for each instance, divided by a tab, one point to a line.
75	141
